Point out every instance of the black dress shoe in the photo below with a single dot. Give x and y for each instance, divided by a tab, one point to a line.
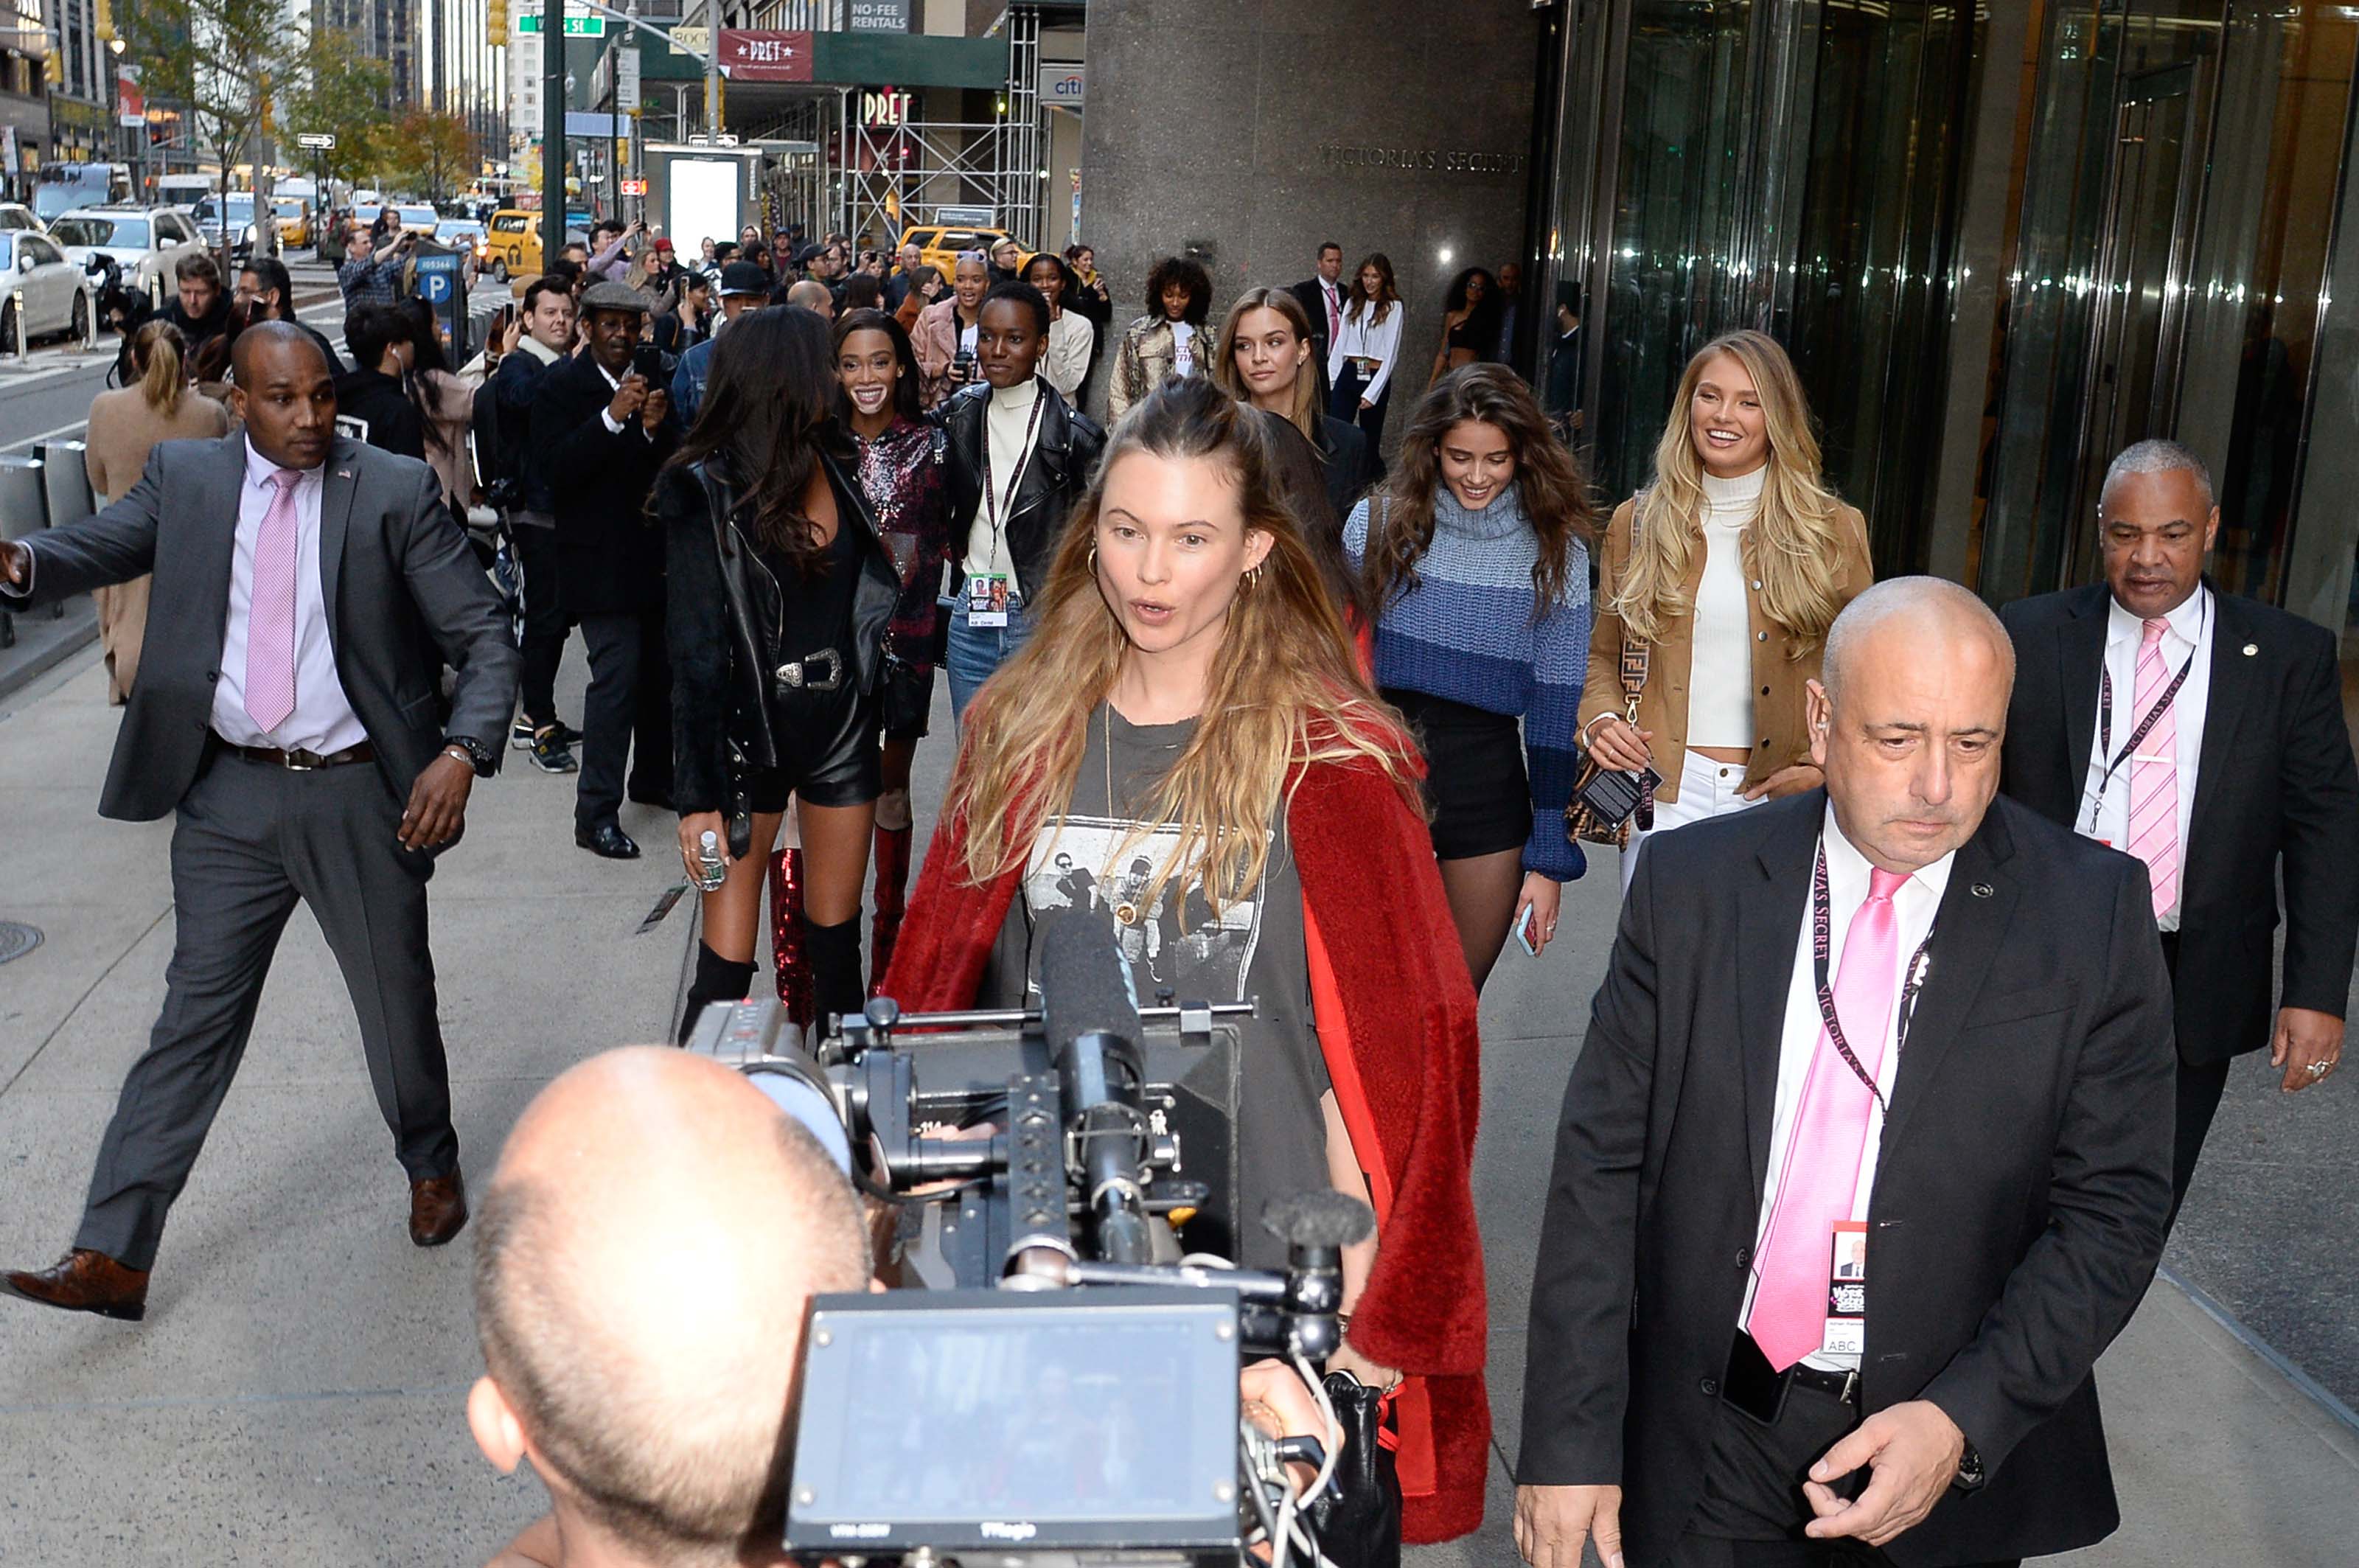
607	840
438	1208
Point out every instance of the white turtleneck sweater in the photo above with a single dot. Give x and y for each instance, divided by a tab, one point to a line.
1719	675
1004	422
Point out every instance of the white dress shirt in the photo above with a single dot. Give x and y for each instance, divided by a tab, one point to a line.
323	720
2190	633
1913	907
613	425
1364	337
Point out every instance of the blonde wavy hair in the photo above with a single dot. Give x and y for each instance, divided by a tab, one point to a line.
1286	691
1794	547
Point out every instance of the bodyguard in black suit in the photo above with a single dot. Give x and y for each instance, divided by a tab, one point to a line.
601	432
2260	772
2012	1200
306	591
1321	297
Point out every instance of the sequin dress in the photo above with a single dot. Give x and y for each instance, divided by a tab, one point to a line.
900	474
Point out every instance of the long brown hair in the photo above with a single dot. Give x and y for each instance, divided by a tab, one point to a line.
1305	412
770	389
1554	491
1387	292
159	351
1286	690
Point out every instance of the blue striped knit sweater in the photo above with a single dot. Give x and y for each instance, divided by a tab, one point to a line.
1466	633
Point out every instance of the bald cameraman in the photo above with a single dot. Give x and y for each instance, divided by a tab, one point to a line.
641	1340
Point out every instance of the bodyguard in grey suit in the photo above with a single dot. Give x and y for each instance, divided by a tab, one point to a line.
288	712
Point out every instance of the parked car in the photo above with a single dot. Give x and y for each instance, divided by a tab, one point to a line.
418	217
17	215
54	292
939	245
143	241
512	243
294	221
465	235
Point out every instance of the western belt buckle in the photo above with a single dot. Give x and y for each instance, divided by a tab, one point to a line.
795	675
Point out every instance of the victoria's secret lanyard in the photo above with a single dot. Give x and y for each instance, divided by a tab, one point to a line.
2146	725
1821	947
1023	459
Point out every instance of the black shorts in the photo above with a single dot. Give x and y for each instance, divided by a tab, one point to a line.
1475	779
905	701
828	753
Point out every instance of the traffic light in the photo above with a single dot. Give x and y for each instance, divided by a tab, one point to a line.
265	103
104	24
53	66
495	24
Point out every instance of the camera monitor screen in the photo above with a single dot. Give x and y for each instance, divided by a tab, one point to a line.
979	1418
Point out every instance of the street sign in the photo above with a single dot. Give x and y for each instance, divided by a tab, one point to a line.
320	140
697	42
576	26
626	77
438	277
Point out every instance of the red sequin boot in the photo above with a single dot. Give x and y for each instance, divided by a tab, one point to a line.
892	899
787	953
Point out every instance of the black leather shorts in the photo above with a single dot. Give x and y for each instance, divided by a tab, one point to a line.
828	752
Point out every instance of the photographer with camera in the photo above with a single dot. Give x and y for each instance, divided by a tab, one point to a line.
601	429
1188	745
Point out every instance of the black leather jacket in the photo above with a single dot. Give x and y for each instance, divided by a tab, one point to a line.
724	613
1064	460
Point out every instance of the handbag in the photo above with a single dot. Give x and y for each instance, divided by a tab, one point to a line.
1358	1519
1608	802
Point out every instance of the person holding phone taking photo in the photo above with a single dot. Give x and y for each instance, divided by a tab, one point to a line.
945	334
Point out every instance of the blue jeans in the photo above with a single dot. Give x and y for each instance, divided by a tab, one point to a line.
976	651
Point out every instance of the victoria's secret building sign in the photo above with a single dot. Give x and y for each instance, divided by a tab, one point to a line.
1420	160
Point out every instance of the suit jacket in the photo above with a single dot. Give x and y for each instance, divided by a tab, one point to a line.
1308	294
2276	785
1063	462
610	555
403	594
2020	1190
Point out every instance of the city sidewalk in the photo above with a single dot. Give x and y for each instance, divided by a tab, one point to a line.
296	1392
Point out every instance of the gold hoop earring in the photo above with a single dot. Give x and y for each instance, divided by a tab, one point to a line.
1093	560
1253	575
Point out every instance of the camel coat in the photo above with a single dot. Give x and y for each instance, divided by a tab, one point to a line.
1783	663
124	428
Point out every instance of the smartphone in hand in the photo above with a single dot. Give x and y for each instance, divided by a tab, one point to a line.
1524	929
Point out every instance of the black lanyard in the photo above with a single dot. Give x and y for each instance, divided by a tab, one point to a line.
1023	459
1822	947
2146	725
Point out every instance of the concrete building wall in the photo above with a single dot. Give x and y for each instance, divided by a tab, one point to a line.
1248	131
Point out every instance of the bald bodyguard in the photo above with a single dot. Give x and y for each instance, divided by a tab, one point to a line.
1866	1158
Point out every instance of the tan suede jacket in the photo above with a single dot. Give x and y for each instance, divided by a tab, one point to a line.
1782	667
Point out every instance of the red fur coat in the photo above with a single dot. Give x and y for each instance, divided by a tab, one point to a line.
1396	1028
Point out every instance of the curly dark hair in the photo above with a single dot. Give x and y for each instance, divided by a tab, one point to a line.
1190	276
1554	490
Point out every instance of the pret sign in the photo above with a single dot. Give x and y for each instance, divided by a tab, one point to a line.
762	54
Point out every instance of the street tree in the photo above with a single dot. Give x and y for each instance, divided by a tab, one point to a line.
337	89
215	57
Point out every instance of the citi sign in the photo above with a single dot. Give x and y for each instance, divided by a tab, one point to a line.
1065	89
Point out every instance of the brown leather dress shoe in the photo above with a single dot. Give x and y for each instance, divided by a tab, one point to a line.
85	1281
438	1208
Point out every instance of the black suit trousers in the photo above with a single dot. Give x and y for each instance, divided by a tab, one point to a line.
545	621
251	839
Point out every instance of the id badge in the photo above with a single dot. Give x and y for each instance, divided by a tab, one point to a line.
986	601
1846	1332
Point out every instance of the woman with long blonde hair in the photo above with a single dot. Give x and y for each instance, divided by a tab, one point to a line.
125	426
1186	752
1729	568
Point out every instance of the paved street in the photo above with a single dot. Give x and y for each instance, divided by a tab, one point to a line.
294	1395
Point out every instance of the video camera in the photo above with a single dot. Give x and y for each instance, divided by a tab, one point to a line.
1065	1386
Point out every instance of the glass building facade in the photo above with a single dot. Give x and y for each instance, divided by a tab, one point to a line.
2000	241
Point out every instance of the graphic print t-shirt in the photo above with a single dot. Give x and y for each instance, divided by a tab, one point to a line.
1097	859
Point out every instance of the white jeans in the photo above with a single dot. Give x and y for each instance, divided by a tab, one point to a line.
1707	790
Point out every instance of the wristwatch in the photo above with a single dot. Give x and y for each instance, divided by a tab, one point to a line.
1971	1473
469	752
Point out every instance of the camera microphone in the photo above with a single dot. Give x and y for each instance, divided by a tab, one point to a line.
1316	1226
1090	1015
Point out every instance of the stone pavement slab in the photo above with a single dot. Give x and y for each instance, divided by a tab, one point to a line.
296	1395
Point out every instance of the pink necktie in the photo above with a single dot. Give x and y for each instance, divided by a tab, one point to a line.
1821	1170
2154	786
270	618
1335	314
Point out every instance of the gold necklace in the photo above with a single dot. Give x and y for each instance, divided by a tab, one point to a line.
1126	911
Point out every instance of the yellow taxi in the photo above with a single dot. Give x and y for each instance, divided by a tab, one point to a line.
511	244
939	245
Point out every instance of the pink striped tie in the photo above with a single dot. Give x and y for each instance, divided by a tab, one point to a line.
1821	1170
270	618
2154	786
